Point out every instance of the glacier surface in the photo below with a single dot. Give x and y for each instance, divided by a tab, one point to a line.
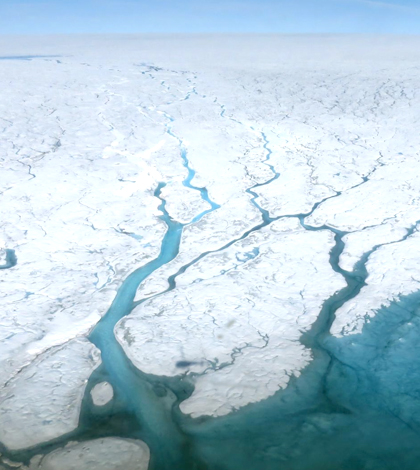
209	252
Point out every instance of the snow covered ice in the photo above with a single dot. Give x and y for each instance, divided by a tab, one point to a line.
195	233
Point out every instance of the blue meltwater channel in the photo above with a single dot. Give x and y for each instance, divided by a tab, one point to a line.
356	406
151	406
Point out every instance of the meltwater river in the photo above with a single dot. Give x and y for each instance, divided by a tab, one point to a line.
356	406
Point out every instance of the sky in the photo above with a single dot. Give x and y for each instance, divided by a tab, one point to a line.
207	16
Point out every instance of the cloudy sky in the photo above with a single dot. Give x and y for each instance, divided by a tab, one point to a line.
282	16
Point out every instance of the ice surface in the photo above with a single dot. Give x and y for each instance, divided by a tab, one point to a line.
393	272
102	393
236	317
267	147
43	400
108	454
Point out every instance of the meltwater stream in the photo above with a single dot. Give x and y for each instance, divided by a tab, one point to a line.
191	172
140	397
149	401
331	417
356	406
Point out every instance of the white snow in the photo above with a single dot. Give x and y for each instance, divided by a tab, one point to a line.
393	271
245	316
109	453
84	142
43	400
102	393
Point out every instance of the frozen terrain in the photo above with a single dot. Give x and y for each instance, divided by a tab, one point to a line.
208	240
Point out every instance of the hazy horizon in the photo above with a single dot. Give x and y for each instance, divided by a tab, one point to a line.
192	16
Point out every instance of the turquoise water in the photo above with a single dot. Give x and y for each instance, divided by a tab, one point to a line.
11	259
187	182
356	406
